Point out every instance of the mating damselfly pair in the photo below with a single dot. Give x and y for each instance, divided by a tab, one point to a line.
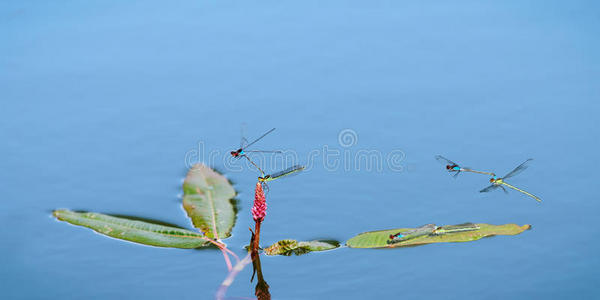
453	167
430	230
243	152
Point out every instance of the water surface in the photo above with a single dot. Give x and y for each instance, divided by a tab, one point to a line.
101	101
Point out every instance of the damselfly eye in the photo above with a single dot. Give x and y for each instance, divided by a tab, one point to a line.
491	179
448	167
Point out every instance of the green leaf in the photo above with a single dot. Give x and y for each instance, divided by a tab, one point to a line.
133	230
381	239
289	247
207	199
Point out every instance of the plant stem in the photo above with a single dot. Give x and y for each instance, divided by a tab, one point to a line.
231	276
256	240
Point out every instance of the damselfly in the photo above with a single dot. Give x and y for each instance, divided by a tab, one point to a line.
286	172
455	228
499	182
454	167
411	234
244	145
289	171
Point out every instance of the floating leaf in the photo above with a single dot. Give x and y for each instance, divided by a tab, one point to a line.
381	239
207	199
289	247
133	230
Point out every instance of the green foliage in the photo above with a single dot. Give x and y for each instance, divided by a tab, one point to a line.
381	239
208	201
134	230
289	247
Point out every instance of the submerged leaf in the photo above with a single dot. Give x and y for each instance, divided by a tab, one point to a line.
381	238
133	230
207	199
289	247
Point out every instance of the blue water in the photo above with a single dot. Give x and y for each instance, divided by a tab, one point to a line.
101	101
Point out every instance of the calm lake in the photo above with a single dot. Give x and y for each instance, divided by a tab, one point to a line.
104	106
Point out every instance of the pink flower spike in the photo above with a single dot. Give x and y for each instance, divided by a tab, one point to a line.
259	210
